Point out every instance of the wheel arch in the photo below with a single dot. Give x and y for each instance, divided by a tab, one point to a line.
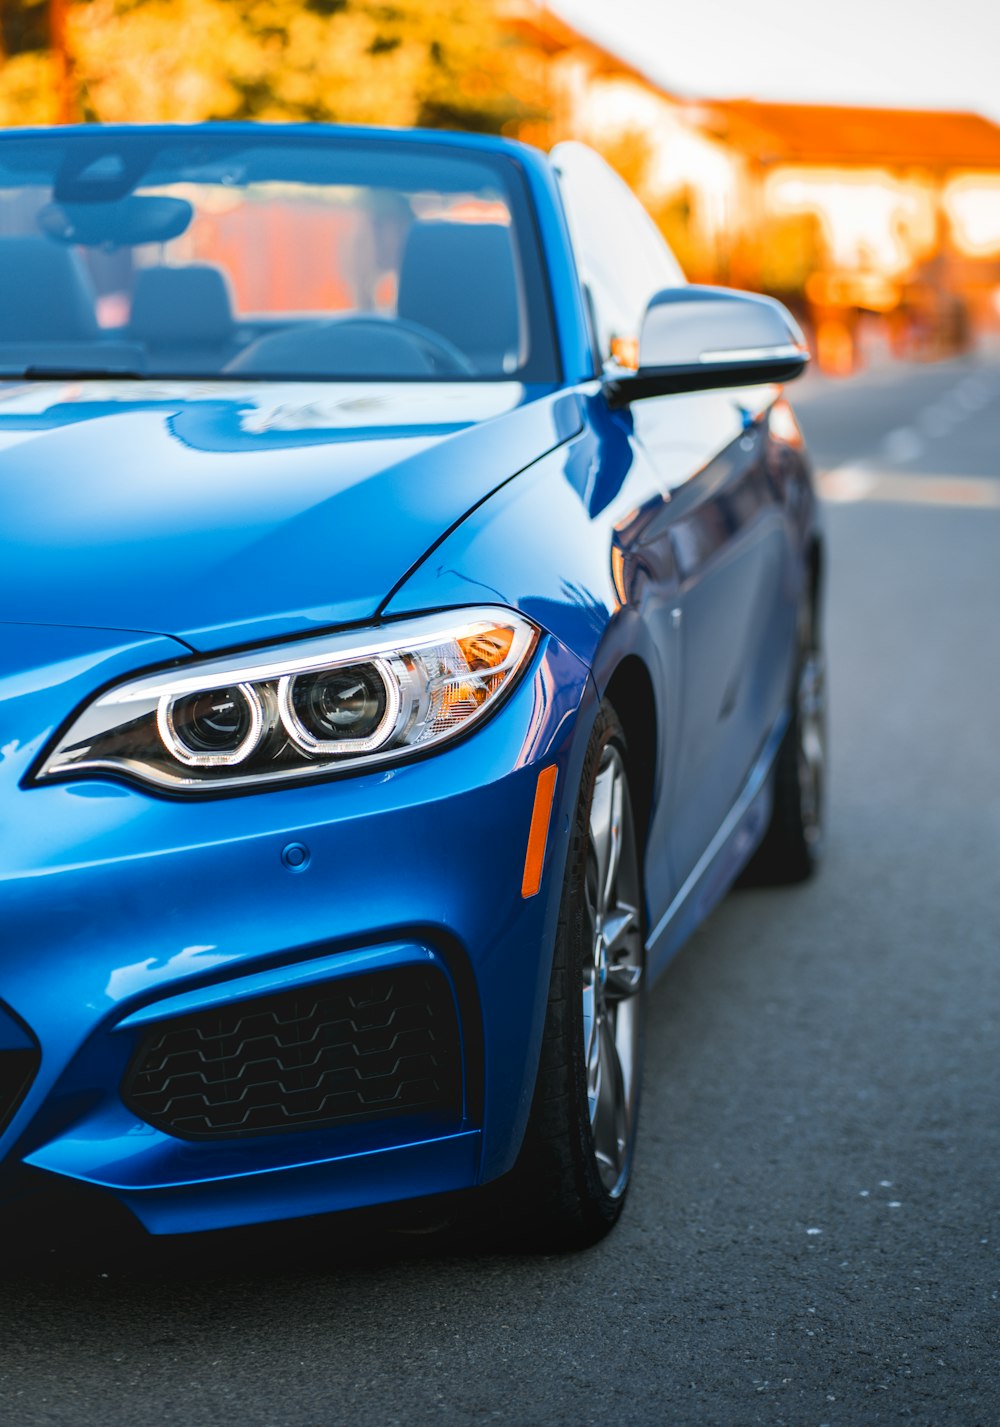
629	690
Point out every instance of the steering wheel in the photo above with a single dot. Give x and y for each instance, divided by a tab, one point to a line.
388	345
445	357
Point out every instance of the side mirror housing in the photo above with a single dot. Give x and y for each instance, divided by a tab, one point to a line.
703	338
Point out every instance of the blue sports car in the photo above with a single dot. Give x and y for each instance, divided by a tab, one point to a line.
409	629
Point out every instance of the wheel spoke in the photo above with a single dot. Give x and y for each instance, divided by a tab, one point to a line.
591	1045
611	1111
613	972
621	952
617	926
615	853
623	980
606	831
601	836
812	693
812	753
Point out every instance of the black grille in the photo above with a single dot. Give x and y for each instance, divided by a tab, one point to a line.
363	1048
17	1070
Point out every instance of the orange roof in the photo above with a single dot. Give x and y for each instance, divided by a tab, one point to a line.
789	133
835	134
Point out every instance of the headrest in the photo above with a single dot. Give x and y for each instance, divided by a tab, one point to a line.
459	280
45	293
181	307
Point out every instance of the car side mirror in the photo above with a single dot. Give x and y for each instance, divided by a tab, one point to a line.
702	338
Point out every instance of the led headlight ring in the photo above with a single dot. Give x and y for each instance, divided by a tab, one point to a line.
173	737
309	741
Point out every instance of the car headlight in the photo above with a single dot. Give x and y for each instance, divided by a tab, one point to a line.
339	702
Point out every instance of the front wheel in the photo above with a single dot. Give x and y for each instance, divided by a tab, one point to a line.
574	1169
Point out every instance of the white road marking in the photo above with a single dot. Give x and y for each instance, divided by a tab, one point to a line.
953	403
974	392
936	420
901	445
871	480
970	397
845	485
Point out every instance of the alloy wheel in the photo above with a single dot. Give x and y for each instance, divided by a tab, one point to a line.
613	974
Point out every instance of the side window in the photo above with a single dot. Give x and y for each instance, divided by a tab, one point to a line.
621	254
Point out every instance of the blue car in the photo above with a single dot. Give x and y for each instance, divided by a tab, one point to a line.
409	629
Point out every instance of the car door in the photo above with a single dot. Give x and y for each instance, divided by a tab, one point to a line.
728	546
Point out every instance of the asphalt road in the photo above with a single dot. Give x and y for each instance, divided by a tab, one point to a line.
812	1234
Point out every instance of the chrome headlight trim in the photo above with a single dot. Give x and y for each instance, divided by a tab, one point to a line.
312	744
434	693
166	727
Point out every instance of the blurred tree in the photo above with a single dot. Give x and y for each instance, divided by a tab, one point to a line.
792	247
443	63
677	217
29	90
24	26
776	255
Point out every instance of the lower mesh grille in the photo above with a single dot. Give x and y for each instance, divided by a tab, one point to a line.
363	1048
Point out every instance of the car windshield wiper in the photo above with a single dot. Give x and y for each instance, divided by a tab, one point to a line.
71	374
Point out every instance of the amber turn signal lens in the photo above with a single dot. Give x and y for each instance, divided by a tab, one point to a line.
487	649
483	651
538	833
625	351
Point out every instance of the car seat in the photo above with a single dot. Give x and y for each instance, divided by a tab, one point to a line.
184	318
46	294
459	279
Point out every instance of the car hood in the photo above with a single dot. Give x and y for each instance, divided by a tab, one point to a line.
222	515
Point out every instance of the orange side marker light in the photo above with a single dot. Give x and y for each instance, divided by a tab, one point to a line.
538	833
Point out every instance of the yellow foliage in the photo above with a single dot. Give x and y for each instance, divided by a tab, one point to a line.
792	248
28	90
445	63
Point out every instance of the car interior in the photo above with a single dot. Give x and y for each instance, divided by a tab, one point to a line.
457	313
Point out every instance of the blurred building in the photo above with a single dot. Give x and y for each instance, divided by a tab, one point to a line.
880	226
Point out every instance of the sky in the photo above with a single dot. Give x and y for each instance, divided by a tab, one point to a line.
937	54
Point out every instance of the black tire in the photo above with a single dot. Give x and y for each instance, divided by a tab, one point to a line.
571	1179
793	844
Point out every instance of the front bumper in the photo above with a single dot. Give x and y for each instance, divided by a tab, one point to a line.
121	911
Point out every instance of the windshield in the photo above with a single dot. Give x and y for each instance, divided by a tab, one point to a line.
267	255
